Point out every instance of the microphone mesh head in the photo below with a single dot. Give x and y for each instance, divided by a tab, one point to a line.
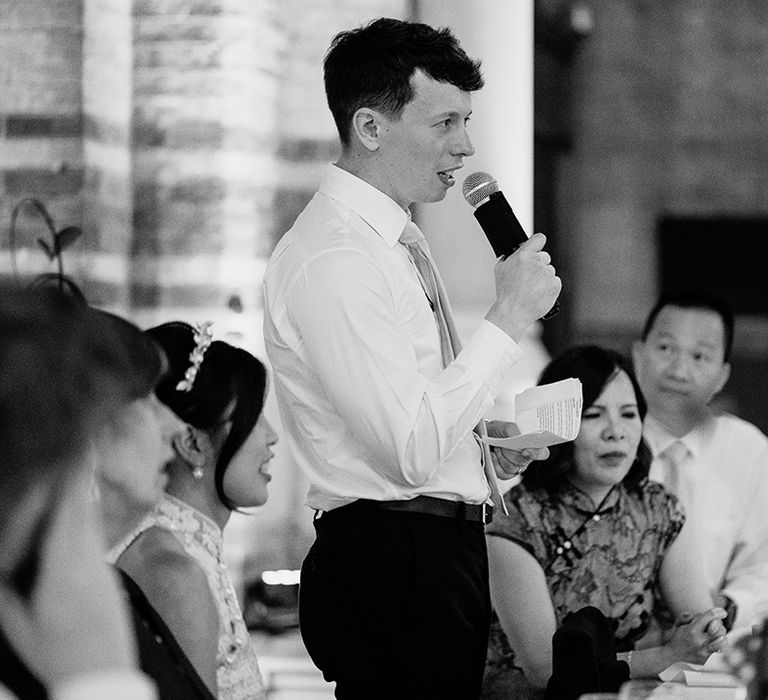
478	186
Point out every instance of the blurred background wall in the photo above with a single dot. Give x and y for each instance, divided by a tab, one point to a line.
183	137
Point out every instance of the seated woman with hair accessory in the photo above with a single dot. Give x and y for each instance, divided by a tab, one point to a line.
220	463
586	527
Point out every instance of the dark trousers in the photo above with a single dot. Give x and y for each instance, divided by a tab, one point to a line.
396	605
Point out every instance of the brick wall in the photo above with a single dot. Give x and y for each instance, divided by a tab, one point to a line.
668	118
204	122
104	266
40	119
669	105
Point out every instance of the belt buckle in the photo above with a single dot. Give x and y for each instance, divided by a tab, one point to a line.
487	513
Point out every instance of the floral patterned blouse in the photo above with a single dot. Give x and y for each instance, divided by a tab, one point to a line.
611	562
237	673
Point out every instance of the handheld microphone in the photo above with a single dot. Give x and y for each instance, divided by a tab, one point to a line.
496	218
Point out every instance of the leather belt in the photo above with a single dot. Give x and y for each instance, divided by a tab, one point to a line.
458	510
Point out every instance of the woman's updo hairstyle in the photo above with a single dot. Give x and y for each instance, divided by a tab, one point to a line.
229	386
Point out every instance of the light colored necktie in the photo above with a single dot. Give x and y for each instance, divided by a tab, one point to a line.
413	239
674	479
450	345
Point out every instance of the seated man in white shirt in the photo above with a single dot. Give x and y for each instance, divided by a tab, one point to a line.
716	463
377	398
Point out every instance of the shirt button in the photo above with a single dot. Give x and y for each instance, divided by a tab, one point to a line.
596	517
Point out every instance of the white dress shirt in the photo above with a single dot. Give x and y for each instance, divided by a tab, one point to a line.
367	408
725	490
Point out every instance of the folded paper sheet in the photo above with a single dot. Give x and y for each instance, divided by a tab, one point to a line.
712	674
545	415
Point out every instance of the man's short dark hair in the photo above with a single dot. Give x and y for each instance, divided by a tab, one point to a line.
695	299
372	66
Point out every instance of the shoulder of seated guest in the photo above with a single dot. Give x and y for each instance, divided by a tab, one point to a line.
155	545
158	563
175	584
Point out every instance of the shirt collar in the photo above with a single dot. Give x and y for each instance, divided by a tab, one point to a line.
659	438
573	497
378	210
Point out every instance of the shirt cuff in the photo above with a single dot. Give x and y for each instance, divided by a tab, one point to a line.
490	353
115	685
745	607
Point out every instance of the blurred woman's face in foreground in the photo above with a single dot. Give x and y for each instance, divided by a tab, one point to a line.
133	450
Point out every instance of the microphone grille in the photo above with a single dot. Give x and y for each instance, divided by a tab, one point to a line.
479	186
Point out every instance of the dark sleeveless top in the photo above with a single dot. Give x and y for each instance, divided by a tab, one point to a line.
160	657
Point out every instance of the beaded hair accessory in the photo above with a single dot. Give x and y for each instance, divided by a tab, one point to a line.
203	338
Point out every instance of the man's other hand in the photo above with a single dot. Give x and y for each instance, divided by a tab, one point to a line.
508	463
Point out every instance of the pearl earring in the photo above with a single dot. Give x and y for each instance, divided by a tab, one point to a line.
197	472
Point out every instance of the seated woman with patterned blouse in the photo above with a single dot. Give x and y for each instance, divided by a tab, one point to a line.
586	527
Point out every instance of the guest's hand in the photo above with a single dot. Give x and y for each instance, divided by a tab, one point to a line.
695	637
510	463
74	621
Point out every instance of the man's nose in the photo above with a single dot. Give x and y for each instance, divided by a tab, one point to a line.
463	145
678	366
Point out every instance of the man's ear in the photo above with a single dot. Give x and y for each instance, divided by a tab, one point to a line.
637	356
725	374
366	128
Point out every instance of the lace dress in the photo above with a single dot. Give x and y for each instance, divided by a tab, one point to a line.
237	670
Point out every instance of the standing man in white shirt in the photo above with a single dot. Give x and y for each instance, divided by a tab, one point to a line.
378	400
716	463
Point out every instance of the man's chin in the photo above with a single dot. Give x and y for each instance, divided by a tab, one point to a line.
671	402
436	195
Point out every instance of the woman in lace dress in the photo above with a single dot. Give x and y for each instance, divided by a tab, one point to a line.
586	527
220	463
